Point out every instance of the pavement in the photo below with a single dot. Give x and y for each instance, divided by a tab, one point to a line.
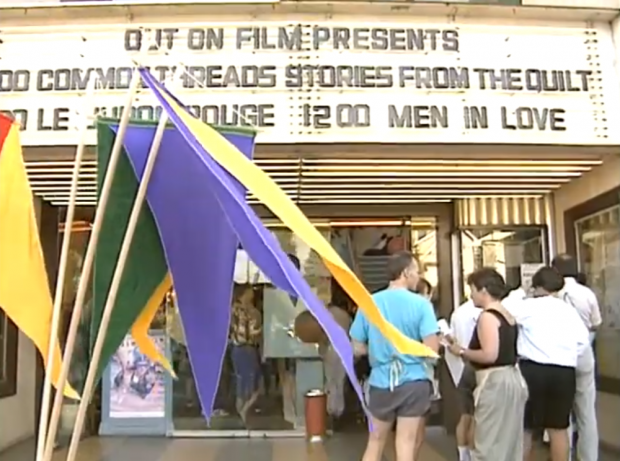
343	447
346	448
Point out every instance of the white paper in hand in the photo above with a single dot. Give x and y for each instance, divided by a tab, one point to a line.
454	362
444	328
455	367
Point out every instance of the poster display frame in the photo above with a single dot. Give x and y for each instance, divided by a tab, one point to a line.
135	425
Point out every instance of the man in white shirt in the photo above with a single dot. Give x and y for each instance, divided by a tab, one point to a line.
586	305
551	338
579	296
462	324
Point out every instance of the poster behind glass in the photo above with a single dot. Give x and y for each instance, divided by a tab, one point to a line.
137	385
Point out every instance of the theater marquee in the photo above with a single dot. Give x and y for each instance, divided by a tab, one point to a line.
327	82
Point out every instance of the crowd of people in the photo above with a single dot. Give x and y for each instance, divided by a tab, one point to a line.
528	369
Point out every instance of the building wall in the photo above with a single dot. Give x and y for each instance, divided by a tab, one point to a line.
601	179
17	412
592	184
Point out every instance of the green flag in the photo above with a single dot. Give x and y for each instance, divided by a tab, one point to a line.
145	278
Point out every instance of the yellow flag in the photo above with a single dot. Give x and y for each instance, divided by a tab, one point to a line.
140	328
25	293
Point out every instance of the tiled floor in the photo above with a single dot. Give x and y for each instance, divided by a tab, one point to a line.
349	447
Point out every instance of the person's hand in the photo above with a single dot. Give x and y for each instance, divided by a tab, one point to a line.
455	349
359	349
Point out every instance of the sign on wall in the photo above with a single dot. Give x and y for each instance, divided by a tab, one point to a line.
321	82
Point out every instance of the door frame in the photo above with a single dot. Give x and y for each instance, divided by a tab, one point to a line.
444	214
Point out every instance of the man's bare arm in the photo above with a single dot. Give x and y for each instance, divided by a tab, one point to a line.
433	342
359	349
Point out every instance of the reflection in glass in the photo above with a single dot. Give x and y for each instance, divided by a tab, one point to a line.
288	367
508	251
424	248
598	240
366	248
258	386
80	235
77	250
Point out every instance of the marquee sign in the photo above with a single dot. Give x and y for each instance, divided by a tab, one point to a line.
325	82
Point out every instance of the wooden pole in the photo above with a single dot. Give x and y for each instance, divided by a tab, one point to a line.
88	264
60	280
114	286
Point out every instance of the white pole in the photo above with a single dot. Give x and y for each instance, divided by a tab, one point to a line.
551	227
114	286
88	263
62	269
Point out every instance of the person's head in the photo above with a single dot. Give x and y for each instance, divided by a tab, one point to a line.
547	281
487	286
424	288
402	269
566	265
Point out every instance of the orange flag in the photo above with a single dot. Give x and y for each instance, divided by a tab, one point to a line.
25	293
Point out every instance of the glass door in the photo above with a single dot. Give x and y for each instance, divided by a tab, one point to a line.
516	253
293	367
262	386
598	249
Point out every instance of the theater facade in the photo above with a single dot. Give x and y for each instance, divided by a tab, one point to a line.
476	141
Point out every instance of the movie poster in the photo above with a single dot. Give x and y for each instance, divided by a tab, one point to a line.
137	385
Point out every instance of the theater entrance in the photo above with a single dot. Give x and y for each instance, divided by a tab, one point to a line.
456	208
290	368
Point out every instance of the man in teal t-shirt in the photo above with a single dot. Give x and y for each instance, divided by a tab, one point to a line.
400	387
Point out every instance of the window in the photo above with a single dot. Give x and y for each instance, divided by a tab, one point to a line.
598	249
8	357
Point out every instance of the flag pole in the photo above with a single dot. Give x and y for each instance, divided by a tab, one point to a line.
60	279
88	264
115	285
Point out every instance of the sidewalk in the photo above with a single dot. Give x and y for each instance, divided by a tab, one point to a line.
345	447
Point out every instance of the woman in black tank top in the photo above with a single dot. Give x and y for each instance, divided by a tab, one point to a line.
501	393
507	340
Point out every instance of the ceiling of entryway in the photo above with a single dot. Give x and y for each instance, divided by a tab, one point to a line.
360	181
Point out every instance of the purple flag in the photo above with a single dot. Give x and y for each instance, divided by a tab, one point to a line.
196	169
200	247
